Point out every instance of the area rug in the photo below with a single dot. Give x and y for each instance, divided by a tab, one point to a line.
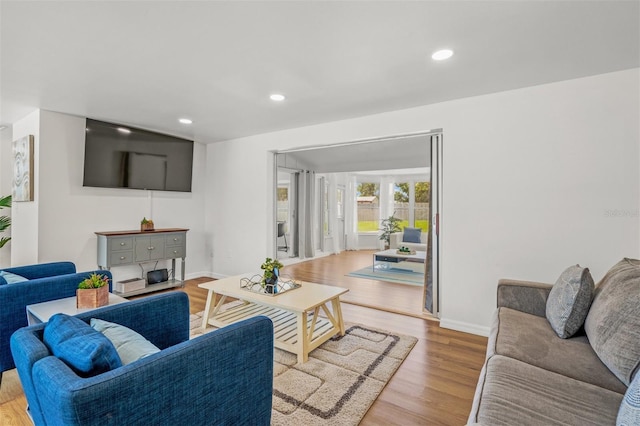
341	380
394	275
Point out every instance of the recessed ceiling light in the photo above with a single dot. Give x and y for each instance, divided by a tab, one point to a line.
443	54
124	130
277	97
185	121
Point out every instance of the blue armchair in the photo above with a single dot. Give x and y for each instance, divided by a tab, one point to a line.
47	281
224	377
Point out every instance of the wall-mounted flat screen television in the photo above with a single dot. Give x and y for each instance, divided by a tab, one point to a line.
119	156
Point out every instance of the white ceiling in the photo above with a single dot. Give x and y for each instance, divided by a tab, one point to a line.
147	63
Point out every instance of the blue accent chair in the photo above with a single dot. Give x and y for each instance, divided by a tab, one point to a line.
46	281
224	377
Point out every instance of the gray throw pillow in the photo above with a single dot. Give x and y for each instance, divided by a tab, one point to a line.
613	323
629	412
411	235
130	345
569	300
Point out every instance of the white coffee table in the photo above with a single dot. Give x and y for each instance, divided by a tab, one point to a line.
297	327
41	312
388	259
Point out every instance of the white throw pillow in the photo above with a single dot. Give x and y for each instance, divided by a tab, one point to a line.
131	346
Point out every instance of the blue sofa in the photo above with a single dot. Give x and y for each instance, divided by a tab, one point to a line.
47	281
224	377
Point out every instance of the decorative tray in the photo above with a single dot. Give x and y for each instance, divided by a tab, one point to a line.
406	252
256	285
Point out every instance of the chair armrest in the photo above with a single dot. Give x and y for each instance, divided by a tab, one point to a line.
43	270
525	296
14	299
223	377
395	240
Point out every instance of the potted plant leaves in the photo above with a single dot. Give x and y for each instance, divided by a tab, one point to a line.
93	292
389	226
271	268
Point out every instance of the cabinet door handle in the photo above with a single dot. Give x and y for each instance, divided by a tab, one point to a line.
122	244
150	248
175	239
175	252
122	258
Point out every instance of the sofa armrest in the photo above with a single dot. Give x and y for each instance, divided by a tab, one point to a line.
223	377
14	299
43	270
525	296
395	240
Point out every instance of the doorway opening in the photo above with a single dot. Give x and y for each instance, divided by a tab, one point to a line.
322	196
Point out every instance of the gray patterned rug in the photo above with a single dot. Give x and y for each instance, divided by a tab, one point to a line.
341	380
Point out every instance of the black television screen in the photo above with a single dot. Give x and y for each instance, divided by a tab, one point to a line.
119	156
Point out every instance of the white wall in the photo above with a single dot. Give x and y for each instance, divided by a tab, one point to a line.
6	173
24	215
529	179
67	214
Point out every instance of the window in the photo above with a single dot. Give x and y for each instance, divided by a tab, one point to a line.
411	204
283	203
368	207
421	205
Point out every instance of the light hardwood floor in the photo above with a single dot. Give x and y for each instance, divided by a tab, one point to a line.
433	386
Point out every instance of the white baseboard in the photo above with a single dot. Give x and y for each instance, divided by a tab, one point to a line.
209	274
465	326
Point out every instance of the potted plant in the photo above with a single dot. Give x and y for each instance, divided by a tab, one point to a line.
93	292
5	221
389	226
271	268
146	224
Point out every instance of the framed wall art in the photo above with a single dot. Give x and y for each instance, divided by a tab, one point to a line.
23	169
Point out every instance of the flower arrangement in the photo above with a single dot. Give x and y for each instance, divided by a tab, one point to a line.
271	269
94	281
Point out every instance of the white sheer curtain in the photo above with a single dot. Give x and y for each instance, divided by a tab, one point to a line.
351	213
306	214
386	199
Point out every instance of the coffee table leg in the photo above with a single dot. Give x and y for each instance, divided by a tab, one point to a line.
303	340
337	312
211	297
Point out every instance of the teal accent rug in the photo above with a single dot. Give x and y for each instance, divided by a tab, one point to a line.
394	275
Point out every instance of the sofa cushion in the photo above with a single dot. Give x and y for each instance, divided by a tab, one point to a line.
529	338
569	300
516	393
131	346
613	323
10	278
85	350
411	235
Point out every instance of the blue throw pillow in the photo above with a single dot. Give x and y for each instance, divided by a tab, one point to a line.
629	412
87	351
411	235
131	346
11	278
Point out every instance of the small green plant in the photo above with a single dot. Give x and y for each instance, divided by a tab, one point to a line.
268	267
5	221
94	281
144	221
389	226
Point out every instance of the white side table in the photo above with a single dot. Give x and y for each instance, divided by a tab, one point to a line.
41	312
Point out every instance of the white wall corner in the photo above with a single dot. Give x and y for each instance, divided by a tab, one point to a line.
465	327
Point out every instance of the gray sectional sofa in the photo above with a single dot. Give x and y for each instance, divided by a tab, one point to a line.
531	376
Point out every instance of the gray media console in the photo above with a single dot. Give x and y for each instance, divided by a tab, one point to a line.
121	248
